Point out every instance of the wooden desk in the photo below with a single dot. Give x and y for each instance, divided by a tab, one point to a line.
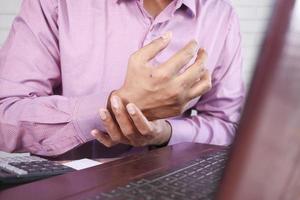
89	182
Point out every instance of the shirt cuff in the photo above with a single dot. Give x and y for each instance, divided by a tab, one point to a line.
87	114
184	130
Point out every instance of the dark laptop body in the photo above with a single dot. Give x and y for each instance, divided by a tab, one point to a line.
265	160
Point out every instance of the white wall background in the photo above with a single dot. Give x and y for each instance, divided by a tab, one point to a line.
254	16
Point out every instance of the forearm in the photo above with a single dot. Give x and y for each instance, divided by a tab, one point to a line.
49	125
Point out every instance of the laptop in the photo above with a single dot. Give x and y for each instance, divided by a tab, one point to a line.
263	163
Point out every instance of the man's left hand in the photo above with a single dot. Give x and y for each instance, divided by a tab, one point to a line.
130	126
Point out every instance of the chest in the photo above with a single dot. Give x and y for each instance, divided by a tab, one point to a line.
97	40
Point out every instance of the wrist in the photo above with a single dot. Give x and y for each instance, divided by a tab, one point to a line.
166	136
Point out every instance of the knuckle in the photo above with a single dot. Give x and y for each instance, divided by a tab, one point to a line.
129	134
183	85
162	75
189	52
135	58
151	130
128	131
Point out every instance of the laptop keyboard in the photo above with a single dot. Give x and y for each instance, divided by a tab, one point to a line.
197	179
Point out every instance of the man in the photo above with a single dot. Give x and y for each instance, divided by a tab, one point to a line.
141	62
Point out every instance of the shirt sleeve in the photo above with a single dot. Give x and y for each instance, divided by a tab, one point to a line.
219	110
32	118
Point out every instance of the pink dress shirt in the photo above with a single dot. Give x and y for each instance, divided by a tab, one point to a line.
63	58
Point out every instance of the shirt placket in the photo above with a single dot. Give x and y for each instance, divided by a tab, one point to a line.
153	25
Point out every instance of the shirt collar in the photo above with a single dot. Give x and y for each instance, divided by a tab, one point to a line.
190	4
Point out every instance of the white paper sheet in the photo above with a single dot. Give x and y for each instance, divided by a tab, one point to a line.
82	164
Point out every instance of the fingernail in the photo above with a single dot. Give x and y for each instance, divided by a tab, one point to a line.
203	51
94	133
115	102
103	115
167	36
130	109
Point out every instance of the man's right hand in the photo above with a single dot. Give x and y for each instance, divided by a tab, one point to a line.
160	91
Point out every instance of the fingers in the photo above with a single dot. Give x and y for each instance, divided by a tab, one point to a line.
180	59
103	138
195	71
111	127
123	118
139	120
202	86
149	51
